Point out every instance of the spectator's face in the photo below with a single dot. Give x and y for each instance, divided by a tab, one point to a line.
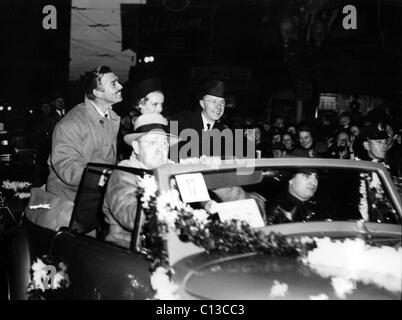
342	140
304	185
212	107
110	91
152	150
305	139
46	108
377	149
254	134
344	121
152	103
277	153
59	103
292	130
276	138
257	135
279	123
355	130
266	127
287	141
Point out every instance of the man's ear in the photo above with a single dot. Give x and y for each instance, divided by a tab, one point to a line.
135	146
202	104
97	93
366	145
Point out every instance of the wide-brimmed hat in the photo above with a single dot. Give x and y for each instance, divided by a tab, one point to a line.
141	89
214	88
150	122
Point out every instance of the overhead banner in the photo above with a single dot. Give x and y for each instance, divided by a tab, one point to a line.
157	30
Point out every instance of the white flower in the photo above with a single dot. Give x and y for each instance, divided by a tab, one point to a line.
201	216
168	204
375	181
353	259
321	296
363	205
15	185
161	283
23	195
150	187
39	274
56	283
342	286
278	289
306	240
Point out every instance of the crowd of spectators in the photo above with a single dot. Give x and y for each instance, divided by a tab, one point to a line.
330	135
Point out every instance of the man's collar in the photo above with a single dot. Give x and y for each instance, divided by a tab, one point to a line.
106	114
60	112
205	121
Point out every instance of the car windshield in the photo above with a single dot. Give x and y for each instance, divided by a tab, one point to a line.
283	195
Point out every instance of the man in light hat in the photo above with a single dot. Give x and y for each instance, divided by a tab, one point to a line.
150	142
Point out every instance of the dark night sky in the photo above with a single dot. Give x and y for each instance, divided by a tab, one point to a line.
245	33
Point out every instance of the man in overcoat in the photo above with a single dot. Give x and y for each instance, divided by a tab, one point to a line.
86	134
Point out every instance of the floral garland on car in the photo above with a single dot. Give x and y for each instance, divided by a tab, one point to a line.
18	188
204	230
166	211
49	277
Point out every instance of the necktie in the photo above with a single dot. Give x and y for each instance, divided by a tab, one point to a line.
208	126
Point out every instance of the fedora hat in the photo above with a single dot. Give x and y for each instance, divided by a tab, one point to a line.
150	122
214	88
141	89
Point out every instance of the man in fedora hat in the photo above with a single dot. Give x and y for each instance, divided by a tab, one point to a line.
147	96
150	142
212	102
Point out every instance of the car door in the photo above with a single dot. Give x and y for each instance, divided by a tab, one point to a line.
98	270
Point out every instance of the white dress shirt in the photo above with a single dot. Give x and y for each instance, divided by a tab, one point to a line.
206	122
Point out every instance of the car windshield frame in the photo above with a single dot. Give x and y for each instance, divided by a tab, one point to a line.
165	173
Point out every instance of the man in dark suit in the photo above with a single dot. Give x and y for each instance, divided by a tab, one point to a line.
59	104
205	123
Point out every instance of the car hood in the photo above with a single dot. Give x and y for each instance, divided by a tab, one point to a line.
259	277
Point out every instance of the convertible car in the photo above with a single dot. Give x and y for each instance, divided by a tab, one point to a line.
348	216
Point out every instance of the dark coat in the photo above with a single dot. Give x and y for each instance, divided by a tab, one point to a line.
193	120
285	206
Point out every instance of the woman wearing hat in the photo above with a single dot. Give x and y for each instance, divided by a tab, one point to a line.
147	96
150	142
